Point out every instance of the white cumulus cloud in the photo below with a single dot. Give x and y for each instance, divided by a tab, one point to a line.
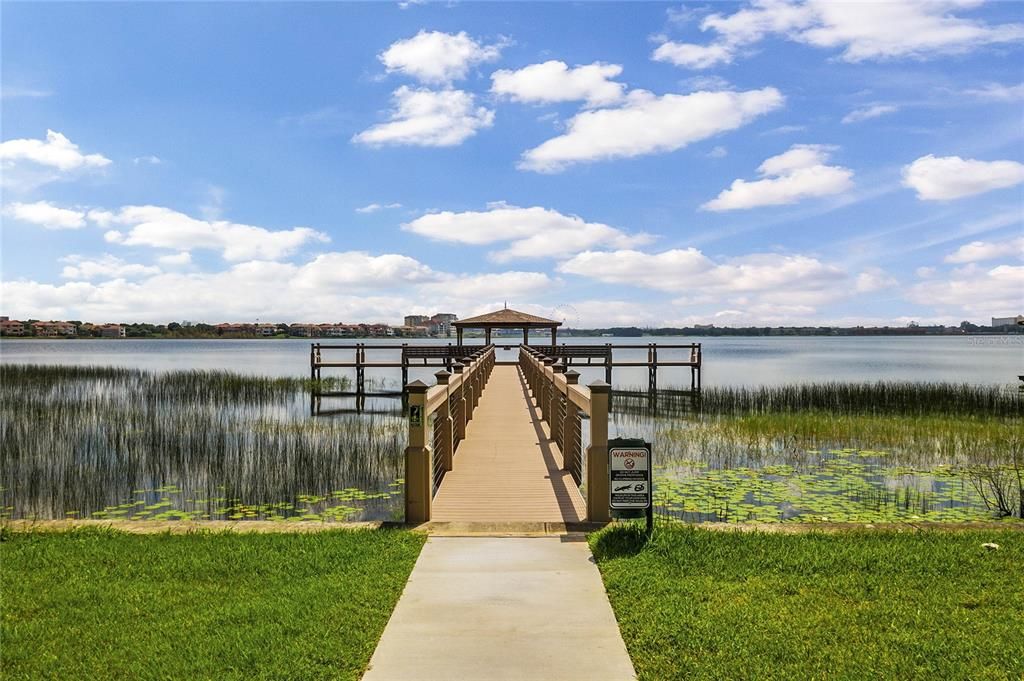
160	227
533	232
175	259
647	124
436	57
46	215
974	291
426	118
56	151
106	266
693	56
861	31
30	163
941	178
554	81
799	173
351	286
758	278
977	251
874	279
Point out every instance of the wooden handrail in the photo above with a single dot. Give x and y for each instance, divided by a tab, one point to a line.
556	389
437	423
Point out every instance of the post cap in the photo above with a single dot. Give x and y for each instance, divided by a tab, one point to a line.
599	386
417	386
548	361
572	377
442	377
457	367
559	368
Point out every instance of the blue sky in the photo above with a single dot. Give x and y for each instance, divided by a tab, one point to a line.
607	163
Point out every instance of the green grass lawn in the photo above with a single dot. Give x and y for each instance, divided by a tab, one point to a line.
699	604
110	605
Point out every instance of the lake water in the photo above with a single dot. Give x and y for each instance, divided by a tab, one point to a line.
727	361
96	449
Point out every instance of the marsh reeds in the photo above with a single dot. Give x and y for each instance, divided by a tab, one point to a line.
109	442
862	452
882	397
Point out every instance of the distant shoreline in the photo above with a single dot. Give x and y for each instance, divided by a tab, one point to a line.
724	332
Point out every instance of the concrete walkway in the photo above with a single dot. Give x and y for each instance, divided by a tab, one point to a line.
481	608
507	470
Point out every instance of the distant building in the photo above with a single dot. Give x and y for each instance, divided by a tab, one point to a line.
112	331
441	323
304	330
12	327
246	329
54	329
416	320
1008	321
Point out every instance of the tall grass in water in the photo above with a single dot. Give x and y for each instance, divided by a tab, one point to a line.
959	447
883	397
130	443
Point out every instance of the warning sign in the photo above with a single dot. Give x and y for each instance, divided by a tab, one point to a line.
629	474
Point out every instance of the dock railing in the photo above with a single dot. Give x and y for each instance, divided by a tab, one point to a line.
438	416
563	404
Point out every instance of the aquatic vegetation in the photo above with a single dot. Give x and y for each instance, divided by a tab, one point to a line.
121	443
882	397
841	486
851	462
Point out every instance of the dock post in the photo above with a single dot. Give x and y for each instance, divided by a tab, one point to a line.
312	362
608	364
419	467
546	385
652	371
460	408
360	376
467	387
444	414
405	364
570	421
554	406
597	454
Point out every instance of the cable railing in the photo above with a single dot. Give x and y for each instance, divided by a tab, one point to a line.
564	405
438	416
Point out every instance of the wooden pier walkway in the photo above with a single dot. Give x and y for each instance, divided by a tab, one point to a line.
508	469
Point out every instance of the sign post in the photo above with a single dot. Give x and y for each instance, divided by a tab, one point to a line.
630	477
415	415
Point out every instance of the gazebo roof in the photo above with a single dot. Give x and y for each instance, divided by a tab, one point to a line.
505	318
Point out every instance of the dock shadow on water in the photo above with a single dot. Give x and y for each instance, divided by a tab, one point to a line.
112	443
863	452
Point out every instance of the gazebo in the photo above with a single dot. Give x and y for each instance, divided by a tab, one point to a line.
506	319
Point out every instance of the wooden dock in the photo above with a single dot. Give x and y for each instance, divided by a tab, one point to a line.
363	357
508	468
503	442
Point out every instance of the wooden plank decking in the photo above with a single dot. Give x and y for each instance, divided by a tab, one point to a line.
507	469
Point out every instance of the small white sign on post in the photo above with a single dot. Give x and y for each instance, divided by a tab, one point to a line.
629	476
